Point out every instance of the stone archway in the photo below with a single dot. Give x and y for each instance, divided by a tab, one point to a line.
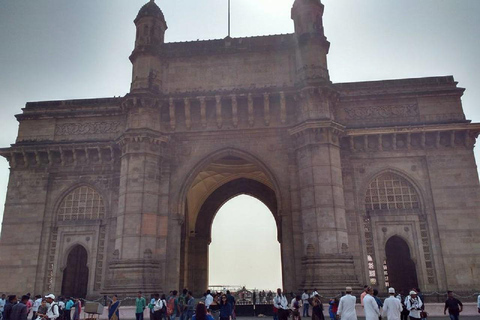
401	268
216	184
75	275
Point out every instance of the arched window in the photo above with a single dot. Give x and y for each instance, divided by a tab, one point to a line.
83	203
391	192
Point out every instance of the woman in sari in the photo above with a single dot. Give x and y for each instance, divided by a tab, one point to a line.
78	309
317	313
113	312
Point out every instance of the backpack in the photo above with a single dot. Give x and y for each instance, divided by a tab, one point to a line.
164	306
170	306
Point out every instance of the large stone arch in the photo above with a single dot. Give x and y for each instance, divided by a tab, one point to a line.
224	174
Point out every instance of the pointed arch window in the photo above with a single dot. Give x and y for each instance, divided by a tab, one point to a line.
83	203
390	191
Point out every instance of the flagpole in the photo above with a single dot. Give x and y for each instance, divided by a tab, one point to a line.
229	18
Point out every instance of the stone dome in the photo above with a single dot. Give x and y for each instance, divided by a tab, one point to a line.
150	10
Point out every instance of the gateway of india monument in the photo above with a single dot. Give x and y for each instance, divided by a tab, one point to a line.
369	182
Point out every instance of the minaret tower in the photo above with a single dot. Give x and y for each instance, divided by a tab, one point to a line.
326	259
146	60
312	48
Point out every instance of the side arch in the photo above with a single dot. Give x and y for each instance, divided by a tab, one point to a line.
361	195
69	191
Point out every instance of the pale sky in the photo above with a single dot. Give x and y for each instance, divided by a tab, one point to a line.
57	49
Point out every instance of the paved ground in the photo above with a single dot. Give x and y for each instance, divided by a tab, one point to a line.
435	311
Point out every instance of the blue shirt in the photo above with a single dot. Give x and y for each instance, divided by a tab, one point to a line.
226	310
69	305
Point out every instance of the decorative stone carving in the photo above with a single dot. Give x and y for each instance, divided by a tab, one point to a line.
82	128
382	112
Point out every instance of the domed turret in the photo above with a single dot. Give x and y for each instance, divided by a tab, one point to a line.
151	27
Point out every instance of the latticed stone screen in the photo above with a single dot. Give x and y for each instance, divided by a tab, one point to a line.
389	192
83	203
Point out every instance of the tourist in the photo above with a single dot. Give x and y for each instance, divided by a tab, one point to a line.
231	300
20	310
478	303
164	307
29	303
157	307
78	309
7	310
190	305
372	312
3	301
377	300
413	305
346	306
182	305
172	305
295	305
306	303
113	309
453	305
68	308
61	307
201	312
53	311
42	310
314	294
140	305
36	305
225	308
280	302
364	293
333	308
208	299
215	306
317	308
392	307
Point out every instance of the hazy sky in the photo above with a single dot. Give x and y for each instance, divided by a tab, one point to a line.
58	49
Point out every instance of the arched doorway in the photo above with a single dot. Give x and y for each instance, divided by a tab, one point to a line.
401	268
75	275
218	181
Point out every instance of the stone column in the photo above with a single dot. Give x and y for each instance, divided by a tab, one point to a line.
326	262
140	246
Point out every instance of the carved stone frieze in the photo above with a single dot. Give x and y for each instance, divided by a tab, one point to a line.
83	128
382	112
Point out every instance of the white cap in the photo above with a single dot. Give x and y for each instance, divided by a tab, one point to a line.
391	290
51	296
412	292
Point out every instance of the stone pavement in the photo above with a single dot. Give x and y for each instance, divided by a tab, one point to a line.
435	310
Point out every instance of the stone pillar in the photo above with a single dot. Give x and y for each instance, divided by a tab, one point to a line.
326	262
140	246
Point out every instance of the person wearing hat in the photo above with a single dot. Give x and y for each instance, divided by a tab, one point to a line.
346	307
392	307
414	305
53	311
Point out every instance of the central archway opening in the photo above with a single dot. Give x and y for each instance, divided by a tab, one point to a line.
244	250
75	275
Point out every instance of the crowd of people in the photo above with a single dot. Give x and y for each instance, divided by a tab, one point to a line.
221	306
39	308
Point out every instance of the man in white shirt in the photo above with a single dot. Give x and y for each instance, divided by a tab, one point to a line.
208	299
372	312
392	307
478	303
346	307
314	293
53	311
306	304
414	305
3	301
157	307
280	302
